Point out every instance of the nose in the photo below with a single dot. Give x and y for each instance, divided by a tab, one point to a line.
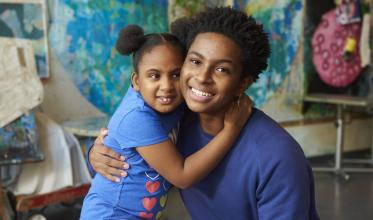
204	75
166	84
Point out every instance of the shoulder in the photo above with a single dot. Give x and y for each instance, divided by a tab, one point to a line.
269	136
140	116
273	146
138	127
132	114
132	107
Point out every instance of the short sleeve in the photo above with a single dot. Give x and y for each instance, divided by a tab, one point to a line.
140	128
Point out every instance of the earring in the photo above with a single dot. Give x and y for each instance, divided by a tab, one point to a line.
238	99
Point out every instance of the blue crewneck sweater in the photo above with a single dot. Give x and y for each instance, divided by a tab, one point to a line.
265	176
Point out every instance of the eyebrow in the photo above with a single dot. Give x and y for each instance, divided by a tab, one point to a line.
152	69
157	70
217	60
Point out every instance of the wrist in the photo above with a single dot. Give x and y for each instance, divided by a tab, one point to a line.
231	128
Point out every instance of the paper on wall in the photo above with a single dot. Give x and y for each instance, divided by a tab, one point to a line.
20	86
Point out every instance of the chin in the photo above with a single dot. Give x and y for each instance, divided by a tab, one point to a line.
165	110
197	108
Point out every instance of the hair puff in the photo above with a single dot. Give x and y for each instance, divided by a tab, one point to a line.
130	39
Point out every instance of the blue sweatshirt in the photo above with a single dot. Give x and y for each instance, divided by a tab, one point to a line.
265	176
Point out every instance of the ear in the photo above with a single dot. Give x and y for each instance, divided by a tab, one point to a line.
245	83
135	81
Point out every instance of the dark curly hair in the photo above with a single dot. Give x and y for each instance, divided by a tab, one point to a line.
238	26
132	40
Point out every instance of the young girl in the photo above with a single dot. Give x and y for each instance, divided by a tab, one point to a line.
143	129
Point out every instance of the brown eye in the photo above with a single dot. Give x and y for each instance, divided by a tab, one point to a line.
154	75
176	75
222	70
195	61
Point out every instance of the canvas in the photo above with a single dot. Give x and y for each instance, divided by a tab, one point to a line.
20	86
27	19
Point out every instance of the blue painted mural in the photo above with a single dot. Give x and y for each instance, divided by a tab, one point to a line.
83	35
282	19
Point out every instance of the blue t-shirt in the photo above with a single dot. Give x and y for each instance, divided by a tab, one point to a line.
142	194
264	176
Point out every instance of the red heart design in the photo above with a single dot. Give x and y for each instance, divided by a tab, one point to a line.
149	203
146	215
152	187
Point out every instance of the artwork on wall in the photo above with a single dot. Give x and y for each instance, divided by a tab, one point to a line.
27	19
336	64
282	21
83	36
359	85
20	87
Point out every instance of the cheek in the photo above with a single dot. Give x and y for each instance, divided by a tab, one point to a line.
229	90
147	87
182	81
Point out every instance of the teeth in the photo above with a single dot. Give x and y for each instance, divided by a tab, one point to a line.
164	99
200	93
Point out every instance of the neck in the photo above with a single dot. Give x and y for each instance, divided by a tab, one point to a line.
212	123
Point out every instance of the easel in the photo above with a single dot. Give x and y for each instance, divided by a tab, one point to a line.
343	102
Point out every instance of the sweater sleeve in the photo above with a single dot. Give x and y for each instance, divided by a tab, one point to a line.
89	146
286	188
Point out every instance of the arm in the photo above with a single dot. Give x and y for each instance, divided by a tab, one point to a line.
286	188
183	173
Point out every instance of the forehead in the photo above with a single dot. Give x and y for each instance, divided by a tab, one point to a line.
161	56
216	46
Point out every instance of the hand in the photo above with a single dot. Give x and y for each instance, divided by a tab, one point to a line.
105	161
238	113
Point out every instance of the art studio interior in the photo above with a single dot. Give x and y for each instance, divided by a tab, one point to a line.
72	73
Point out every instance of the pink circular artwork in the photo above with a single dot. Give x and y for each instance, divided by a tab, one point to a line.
328	43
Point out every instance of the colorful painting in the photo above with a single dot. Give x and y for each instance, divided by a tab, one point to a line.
20	134
83	35
282	19
26	19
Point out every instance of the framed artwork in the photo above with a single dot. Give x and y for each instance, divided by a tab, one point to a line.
27	19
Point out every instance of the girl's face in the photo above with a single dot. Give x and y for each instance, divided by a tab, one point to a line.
211	75
158	75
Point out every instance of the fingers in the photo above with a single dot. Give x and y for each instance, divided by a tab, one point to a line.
111	173
110	177
101	155
102	149
114	162
110	168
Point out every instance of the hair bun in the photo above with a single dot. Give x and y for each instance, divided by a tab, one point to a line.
130	39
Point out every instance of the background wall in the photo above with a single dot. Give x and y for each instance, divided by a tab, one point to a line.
88	77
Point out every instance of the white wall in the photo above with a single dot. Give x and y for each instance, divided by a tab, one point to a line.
319	139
